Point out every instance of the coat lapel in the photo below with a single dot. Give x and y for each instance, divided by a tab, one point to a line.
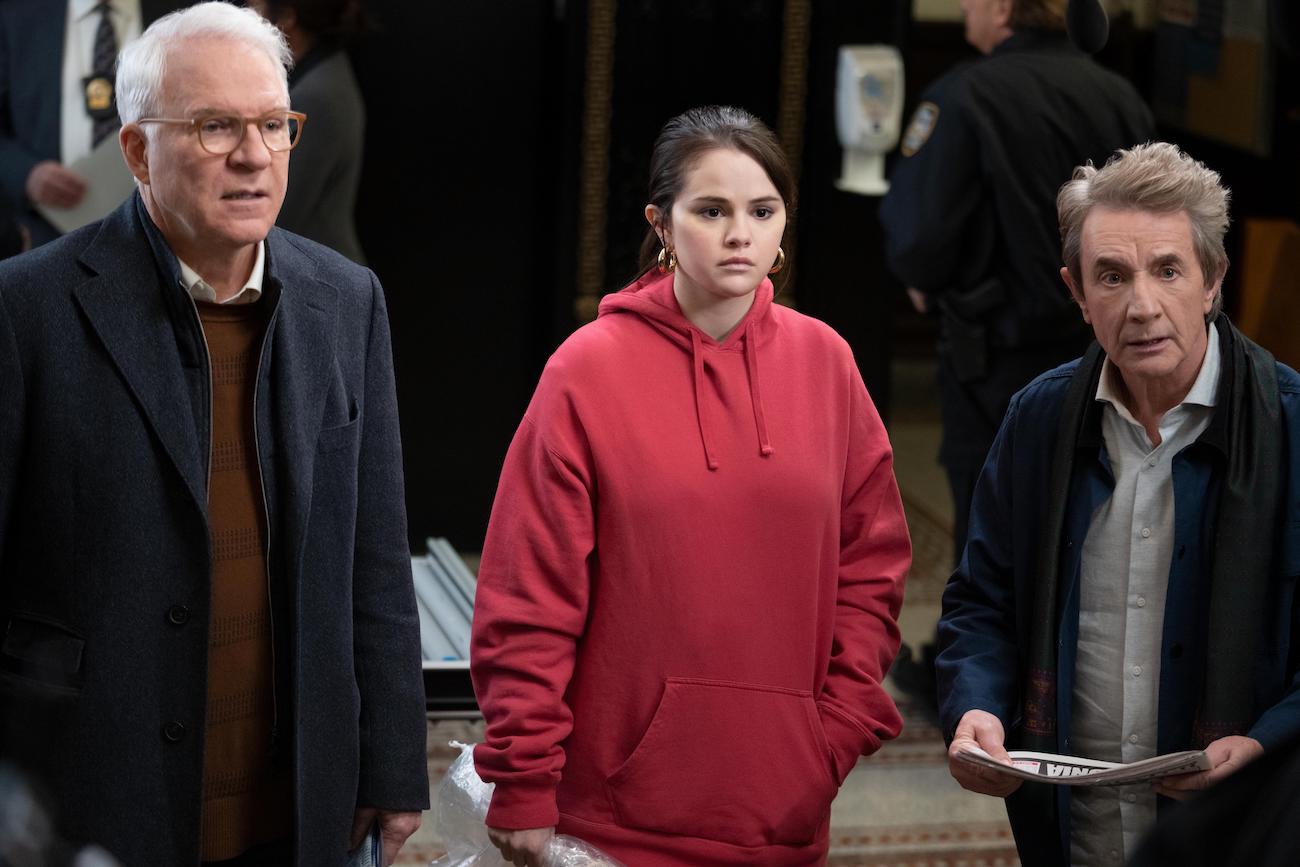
296	372
124	304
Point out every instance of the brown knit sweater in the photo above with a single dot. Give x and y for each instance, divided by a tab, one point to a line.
245	802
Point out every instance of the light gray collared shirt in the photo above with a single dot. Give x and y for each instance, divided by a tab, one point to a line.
1125	573
200	290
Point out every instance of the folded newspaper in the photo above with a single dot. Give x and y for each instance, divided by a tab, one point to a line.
1076	771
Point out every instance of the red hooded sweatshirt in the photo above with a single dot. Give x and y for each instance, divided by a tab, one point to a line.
689	588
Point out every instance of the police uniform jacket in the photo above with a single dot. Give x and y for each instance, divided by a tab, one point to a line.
970	219
974	194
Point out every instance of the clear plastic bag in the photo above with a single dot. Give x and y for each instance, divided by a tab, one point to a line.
461	811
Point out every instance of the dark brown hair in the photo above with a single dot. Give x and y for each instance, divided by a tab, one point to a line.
690	135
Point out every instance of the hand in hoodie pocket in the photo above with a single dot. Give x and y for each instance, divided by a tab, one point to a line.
739	763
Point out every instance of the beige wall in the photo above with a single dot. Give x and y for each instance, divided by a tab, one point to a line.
936	10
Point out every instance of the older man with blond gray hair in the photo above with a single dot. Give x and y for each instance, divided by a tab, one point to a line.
210	642
1129	586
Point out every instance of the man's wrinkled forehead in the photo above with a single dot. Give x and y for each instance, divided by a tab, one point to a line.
1127	238
1175	227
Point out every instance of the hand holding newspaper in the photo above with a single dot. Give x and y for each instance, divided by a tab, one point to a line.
1076	771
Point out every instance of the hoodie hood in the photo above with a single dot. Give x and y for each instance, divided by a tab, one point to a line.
651	297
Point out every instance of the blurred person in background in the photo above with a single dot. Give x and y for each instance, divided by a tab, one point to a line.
325	172
56	94
970	223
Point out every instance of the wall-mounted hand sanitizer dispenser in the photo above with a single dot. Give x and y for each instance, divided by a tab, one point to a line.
868	114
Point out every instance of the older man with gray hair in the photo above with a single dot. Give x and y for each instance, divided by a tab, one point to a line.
210	643
1129	586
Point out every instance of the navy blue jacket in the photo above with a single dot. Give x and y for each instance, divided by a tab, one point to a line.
105	559
31	94
984	629
31	88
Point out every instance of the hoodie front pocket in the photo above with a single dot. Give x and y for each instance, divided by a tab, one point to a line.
733	762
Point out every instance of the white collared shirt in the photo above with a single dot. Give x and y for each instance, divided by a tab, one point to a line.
200	290
76	127
1125	573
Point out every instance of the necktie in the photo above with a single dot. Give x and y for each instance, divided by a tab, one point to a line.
105	56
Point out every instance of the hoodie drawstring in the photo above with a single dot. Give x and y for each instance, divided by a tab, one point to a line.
755	397
697	363
751	365
651	298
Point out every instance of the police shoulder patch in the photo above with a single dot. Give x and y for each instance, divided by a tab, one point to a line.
918	130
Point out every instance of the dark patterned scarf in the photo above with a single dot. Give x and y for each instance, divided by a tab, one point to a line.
1248	420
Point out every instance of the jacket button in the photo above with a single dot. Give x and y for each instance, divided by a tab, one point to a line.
178	615
173	731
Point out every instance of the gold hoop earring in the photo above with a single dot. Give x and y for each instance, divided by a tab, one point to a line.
779	263
667	261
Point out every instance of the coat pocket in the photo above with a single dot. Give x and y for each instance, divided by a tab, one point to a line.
733	762
41	655
345	436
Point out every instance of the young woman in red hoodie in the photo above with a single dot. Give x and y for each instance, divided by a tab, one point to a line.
691	579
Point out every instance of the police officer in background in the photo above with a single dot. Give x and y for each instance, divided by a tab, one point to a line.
970	222
970	218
